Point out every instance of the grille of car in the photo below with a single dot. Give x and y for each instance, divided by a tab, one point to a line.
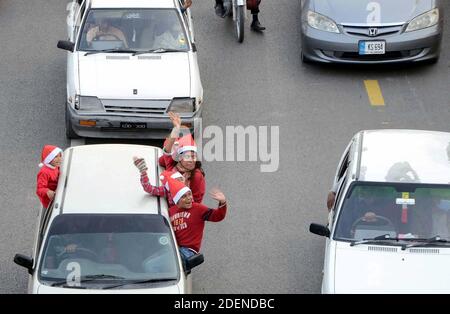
382	249
136	107
424	251
364	31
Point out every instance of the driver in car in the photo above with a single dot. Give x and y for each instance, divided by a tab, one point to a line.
105	31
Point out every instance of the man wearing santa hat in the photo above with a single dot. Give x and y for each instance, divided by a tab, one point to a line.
47	178
184	159
188	218
163	190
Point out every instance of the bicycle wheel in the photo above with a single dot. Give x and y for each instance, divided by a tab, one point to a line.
239	22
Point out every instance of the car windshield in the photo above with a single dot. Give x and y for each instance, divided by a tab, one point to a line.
136	29
105	249
403	211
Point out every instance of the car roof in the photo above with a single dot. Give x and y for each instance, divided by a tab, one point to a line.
405	156
133	4
103	179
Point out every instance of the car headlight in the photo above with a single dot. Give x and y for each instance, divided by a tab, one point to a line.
321	22
87	103
182	105
425	20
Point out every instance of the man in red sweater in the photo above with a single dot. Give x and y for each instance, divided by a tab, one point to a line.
47	178
188	218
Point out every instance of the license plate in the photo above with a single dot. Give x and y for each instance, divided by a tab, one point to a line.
372	47
132	126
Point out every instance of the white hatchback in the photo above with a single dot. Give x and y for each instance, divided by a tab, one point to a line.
128	64
389	229
103	233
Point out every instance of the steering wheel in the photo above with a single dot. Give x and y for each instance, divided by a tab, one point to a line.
80	251
378	221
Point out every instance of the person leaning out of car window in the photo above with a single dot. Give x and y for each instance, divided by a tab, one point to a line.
161	191
183	159
188	217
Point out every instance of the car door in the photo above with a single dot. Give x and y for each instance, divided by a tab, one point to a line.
72	78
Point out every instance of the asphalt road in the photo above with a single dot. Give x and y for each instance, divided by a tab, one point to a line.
264	245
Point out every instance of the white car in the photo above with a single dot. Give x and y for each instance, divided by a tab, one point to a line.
389	229
103	233
128	64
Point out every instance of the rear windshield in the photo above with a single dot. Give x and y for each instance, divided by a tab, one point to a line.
402	210
111	247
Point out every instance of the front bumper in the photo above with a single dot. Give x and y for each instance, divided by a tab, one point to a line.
109	126
321	46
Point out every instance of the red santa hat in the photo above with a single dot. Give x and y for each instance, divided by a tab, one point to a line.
186	144
169	174
177	189
49	152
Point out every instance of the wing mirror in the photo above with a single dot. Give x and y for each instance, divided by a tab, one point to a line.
319	230
194	261
24	261
66	45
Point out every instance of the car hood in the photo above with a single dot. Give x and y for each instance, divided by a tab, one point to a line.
43	289
122	76
359	11
374	269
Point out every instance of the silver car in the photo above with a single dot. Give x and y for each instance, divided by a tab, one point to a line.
368	31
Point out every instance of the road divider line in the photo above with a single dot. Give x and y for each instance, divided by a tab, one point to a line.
374	92
77	142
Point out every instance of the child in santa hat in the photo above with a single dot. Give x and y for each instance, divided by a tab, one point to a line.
184	159
188	217
163	190
47	178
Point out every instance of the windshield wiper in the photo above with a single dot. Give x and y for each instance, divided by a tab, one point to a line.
382	238
425	242
86	279
115	50
138	282
158	50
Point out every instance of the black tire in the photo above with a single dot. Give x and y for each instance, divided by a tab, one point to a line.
70	133
239	23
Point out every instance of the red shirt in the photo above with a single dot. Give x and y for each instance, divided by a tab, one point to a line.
196	181
188	224
47	179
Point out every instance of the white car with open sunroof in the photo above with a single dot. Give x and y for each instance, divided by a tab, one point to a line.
103	233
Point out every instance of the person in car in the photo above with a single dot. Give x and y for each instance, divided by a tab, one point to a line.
163	190
105	31
171	37
188	217
47	178
184	159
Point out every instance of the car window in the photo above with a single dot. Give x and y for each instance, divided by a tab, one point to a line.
400	210
139	29
125	247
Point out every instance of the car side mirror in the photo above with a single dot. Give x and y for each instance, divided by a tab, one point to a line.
319	230
24	261
66	45
194	261
194	47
